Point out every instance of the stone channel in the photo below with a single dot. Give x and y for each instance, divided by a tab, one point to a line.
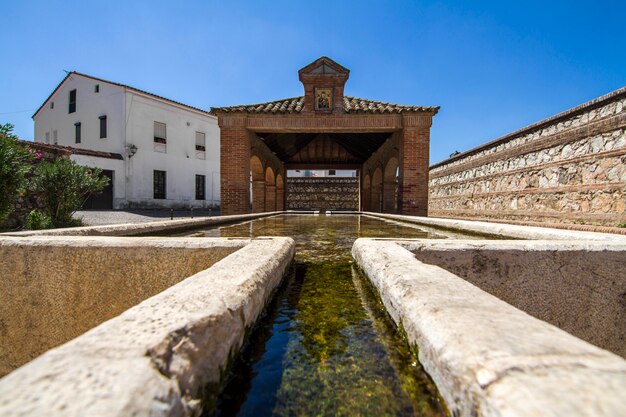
352	314
326	345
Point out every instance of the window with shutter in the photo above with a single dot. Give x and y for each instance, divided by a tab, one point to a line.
200	141
160	133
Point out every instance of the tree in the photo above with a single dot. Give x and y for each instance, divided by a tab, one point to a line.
63	186
15	163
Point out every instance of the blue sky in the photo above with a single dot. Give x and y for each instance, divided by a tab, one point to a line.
492	66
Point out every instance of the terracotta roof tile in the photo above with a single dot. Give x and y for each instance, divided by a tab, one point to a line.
119	85
350	105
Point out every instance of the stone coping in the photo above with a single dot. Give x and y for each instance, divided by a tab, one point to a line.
486	357
161	357
502	230
131	229
577	286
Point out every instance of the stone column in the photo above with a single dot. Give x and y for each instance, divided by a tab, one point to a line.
414	161
234	166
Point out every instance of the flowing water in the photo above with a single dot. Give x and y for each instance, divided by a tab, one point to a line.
325	346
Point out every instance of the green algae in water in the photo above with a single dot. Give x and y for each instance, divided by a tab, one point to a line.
326	346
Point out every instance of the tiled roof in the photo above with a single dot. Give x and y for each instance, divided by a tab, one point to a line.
120	85
350	105
68	150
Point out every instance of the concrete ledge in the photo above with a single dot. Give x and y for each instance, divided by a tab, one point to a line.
134	229
577	286
161	357
502	230
487	357
56	288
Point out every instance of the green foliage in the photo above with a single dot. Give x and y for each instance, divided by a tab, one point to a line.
623	224
15	163
63	187
38	220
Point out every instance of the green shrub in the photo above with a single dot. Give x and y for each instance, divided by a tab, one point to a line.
38	220
15	163
622	224
63	186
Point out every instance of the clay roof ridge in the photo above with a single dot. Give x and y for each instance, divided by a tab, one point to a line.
119	85
350	104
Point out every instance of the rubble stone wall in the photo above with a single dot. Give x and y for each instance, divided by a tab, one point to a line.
570	168
323	193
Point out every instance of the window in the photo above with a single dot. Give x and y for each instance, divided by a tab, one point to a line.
159	184
200	186
72	107
103	127
96	89
55	137
77	129
52	104
200	141
160	133
47	137
331	172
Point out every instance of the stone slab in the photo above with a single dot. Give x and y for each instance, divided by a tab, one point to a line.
132	229
578	286
486	357
56	288
161	357
502	230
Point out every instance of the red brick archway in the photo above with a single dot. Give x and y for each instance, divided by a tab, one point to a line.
323	131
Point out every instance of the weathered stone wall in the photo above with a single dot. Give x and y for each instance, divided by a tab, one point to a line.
323	193
56	288
568	168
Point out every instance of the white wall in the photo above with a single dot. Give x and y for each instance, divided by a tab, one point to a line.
89	107
179	161
119	175
130	120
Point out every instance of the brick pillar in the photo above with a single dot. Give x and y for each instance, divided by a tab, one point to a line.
270	198
235	168
375	197
258	196
280	199
390	196
414	161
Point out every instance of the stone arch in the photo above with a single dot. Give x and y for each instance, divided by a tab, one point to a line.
377	188
270	189
257	184
365	196
390	186
280	192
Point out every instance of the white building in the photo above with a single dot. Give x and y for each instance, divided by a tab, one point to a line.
158	152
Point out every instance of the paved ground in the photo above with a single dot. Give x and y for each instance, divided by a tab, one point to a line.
99	217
